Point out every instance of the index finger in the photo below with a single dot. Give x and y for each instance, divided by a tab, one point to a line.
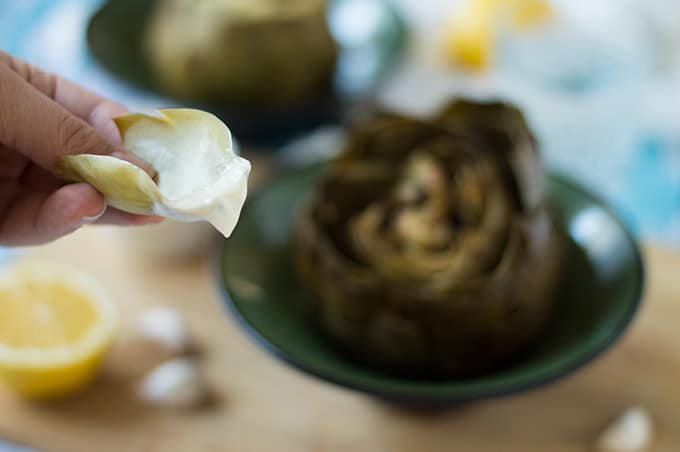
95	110
84	105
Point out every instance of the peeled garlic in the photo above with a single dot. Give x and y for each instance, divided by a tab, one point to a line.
199	177
177	383
165	327
630	432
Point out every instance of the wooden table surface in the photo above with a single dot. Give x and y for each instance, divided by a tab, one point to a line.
262	405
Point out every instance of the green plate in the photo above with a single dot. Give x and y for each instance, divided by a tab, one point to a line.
598	299
371	35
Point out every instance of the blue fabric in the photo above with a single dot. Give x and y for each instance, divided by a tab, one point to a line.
652	194
8	447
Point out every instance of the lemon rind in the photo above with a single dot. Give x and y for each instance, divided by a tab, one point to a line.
94	341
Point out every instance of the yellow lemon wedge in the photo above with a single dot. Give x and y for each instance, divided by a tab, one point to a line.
471	35
470	39
56	323
199	176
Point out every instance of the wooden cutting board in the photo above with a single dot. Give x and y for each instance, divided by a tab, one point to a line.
261	405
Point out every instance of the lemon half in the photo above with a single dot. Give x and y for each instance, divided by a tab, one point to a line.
56	323
199	177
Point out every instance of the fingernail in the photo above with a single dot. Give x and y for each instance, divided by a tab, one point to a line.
91	218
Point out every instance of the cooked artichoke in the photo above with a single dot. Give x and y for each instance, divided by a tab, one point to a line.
429	249
243	52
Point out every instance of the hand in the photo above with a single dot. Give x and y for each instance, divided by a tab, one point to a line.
42	118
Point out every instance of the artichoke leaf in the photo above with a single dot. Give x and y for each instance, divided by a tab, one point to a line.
125	186
199	177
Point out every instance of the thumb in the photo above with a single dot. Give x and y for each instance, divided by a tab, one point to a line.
41	129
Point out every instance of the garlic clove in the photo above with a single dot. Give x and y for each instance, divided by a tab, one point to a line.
630	432
166	327
176	384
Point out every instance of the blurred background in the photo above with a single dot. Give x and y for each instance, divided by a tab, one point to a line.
600	82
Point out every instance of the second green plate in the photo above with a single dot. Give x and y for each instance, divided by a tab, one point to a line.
371	35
